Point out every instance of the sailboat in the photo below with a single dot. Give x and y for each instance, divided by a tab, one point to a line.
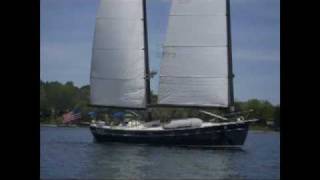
195	72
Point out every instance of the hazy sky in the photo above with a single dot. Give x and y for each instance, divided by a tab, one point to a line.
67	28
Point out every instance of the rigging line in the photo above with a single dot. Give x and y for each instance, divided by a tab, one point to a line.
121	79
117	107
195	46
118	49
195	76
205	15
187	105
121	18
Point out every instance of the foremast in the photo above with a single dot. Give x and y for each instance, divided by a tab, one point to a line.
230	69
146	58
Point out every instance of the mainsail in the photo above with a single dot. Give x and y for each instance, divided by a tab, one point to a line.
195	69
118	59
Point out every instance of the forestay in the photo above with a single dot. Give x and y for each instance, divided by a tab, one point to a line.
118	68
194	69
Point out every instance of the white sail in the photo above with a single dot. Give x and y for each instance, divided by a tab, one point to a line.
194	68
118	67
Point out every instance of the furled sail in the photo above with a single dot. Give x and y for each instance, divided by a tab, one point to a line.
118	67
194	69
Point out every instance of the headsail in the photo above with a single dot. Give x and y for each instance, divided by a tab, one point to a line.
194	69
118	68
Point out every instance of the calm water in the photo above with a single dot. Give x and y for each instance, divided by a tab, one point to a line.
72	153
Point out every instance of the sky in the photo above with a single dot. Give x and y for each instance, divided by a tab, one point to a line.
66	38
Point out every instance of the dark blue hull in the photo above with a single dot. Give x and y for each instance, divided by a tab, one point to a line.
222	135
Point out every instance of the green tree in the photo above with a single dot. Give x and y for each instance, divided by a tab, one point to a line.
61	97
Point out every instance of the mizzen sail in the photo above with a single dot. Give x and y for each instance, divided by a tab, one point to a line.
118	68
194	70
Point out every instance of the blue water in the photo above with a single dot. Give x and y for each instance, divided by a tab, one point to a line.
72	153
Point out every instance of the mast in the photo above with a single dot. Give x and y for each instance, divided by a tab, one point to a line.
230	71
146	59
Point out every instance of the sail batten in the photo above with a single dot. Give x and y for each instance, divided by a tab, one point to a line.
194	70
118	67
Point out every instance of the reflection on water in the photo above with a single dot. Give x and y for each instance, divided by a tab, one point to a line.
72	153
143	161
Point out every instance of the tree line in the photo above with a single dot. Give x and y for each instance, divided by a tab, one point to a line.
57	98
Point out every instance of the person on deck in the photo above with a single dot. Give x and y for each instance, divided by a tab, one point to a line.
118	117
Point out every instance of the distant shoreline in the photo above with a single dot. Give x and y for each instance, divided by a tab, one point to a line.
63	125
48	125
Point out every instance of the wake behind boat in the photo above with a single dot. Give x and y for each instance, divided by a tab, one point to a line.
195	72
